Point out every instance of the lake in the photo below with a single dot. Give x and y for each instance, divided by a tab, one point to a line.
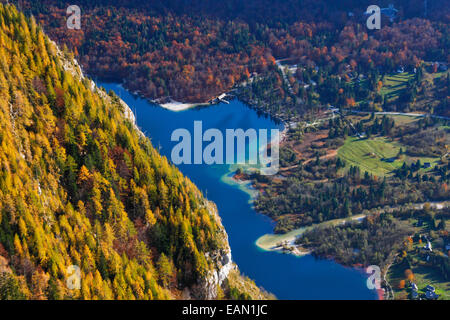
285	275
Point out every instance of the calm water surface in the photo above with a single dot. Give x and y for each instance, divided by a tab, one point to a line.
287	276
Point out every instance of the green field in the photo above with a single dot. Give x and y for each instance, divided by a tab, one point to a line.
394	84
401	119
371	155
427	275
423	276
395	274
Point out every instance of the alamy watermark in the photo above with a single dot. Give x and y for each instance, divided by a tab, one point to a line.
73	281
374	12
374	280
235	147
374	19
74	20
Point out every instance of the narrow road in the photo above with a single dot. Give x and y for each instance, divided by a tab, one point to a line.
403	114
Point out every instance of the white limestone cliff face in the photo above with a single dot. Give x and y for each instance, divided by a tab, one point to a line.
221	258
208	287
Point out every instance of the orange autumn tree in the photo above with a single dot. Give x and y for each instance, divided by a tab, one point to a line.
409	275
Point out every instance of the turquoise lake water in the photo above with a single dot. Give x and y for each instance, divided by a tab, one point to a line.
286	276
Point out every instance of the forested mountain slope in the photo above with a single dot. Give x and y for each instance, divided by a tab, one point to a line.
81	185
192	51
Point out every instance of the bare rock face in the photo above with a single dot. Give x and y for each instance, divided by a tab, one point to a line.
206	288
227	265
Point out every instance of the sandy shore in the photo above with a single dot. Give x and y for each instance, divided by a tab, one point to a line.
282	242
286	242
180	106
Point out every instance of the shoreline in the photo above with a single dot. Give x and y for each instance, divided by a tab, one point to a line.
177	106
279	242
172	105
269	242
244	186
283	243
